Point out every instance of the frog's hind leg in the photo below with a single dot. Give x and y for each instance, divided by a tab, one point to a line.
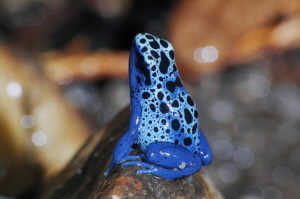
122	150
168	160
169	174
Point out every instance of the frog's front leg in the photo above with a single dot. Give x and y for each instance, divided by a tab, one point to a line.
206	155
122	149
168	160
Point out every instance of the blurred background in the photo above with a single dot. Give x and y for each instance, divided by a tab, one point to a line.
63	75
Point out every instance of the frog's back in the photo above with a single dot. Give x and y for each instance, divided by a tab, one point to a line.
168	112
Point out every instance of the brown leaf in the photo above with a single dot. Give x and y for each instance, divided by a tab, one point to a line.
86	66
198	24
39	131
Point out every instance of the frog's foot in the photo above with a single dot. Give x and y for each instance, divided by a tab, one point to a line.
168	160
126	158
139	163
169	174
131	157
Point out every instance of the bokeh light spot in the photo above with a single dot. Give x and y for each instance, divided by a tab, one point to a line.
272	193
228	173
206	54
243	158
283	175
27	121
223	149
39	138
221	111
90	66
14	90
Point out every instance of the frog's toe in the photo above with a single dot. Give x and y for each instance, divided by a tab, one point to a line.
139	163
168	174
147	171
107	172
131	157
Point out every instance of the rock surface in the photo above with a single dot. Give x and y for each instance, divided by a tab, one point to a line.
83	177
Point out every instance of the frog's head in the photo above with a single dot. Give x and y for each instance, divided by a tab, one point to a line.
151	59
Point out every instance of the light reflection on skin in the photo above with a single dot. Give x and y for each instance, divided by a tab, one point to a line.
164	153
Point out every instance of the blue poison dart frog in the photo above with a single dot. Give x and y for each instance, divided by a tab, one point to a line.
164	118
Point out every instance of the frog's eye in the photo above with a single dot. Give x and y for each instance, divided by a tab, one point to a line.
141	64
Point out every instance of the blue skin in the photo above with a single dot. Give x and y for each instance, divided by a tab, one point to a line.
164	118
